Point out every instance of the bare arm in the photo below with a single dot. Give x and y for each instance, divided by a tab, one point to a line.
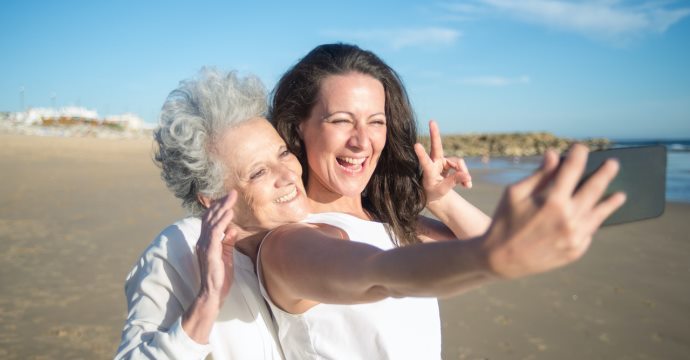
441	175
537	227
303	265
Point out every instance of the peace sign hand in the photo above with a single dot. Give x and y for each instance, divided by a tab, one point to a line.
440	174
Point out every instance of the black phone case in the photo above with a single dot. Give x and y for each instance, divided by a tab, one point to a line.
642	176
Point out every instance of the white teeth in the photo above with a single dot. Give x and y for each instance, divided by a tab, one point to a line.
352	161
287	197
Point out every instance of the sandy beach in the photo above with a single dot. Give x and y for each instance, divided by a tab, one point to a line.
75	213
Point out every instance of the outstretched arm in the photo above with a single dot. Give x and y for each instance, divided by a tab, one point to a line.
441	176
538	227
303	265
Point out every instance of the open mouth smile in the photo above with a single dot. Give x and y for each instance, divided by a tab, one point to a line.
350	164
287	197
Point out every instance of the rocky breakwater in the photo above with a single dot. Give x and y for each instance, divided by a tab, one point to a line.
513	144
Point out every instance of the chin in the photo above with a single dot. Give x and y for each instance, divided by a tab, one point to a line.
351	190
298	213
290	219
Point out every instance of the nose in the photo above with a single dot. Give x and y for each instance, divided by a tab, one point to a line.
360	137
285	175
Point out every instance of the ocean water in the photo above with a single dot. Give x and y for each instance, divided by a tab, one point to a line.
677	173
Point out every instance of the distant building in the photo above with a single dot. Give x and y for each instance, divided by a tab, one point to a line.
125	121
69	115
73	115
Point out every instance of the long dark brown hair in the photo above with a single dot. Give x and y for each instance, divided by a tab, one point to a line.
394	194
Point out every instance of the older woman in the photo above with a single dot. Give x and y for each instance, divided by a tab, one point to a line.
186	299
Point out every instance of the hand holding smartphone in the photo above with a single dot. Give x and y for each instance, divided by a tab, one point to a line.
642	177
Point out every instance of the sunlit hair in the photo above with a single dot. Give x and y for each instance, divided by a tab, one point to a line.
194	115
394	194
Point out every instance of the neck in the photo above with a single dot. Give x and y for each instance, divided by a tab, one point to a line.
248	242
331	202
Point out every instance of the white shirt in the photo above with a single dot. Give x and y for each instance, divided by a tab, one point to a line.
404	328
164	283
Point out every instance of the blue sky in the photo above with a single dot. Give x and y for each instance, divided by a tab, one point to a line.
575	68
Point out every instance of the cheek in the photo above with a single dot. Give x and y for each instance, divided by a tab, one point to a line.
295	167
246	209
317	153
326	139
379	141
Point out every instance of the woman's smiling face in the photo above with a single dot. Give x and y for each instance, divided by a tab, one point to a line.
265	174
344	135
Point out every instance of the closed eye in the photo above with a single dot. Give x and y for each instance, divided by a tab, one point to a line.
257	174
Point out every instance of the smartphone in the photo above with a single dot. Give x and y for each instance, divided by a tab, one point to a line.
642	177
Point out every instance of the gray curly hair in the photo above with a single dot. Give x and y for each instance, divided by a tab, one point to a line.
192	118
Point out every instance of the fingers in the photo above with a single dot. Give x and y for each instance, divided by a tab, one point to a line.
466	178
571	171
218	207
549	167
221	227
230	236
539	179
592	190
216	221
462	173
424	160
604	209
436	143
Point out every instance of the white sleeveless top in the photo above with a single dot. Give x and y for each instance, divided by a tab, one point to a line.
403	328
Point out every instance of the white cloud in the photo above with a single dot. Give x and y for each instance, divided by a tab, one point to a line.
403	38
611	20
495	81
463	8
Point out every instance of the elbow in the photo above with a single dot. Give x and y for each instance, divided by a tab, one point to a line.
379	292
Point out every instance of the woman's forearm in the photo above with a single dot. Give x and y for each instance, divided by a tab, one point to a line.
437	269
305	265
198	320
464	219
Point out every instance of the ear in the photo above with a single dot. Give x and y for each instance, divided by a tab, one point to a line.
204	200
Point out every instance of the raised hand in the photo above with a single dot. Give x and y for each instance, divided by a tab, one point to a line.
440	174
214	253
545	221
215	246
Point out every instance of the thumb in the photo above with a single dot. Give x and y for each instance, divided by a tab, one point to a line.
230	236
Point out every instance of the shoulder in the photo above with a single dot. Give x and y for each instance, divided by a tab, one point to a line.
185	231
182	234
171	248
290	231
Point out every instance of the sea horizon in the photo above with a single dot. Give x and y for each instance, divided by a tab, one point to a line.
509	170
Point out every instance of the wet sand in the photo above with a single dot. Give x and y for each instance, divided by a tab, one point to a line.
75	213
627	298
